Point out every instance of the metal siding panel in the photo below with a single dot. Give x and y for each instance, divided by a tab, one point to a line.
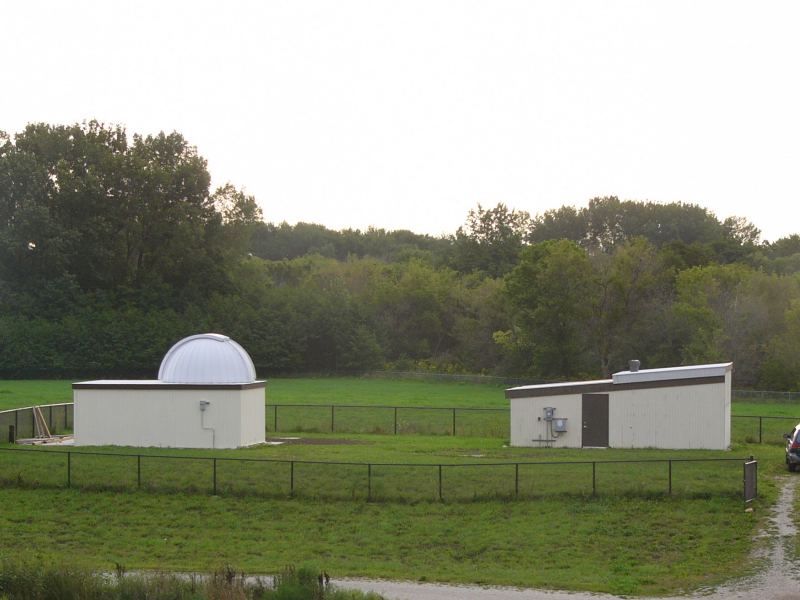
674	418
525	424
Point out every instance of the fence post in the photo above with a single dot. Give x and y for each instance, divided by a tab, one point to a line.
275	420
454	422
369	482
516	480
66	417
440	482
138	471
291	478
760	420
16	420
594	478
395	420
214	469
333	406
670	477
69	469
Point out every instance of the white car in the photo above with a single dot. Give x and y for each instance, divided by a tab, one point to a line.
793	448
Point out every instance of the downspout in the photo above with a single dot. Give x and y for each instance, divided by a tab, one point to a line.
204	404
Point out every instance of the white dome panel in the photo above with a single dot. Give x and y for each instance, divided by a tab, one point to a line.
207	358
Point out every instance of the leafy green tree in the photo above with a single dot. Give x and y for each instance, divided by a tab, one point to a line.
607	222
729	313
490	241
80	202
781	368
551	290
633	294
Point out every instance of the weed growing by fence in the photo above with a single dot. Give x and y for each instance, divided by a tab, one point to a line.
34	581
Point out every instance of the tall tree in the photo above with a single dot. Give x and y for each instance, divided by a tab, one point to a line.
552	289
490	241
79	202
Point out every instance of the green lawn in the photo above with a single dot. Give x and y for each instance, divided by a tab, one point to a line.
322	390
622	545
358	391
392	468
631	538
16	393
377	393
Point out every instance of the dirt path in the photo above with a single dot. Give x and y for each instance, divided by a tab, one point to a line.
779	580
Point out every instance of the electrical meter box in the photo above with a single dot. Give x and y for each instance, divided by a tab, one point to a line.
549	413
559	425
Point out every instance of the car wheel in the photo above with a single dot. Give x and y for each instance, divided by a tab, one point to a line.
792	467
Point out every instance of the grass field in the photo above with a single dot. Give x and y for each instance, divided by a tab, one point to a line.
392	468
405	393
322	390
359	391
631	538
622	545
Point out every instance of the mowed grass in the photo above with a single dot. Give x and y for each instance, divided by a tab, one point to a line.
619	545
390	468
371	396
321	390
631	538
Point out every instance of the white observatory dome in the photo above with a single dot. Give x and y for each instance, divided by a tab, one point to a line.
207	358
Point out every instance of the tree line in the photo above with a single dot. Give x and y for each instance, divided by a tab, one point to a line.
113	247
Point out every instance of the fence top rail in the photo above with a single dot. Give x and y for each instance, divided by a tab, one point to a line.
762	417
376	464
388	406
329	405
11	410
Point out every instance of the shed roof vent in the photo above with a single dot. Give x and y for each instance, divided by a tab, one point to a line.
207	358
633	365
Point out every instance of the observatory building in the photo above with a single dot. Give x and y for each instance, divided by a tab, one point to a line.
677	407
206	396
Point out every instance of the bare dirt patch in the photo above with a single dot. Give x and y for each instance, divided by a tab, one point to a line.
314	441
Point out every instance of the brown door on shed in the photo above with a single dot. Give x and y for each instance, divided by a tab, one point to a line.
595	420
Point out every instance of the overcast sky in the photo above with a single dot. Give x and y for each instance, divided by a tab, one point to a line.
406	114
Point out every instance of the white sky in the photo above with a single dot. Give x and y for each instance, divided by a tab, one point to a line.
406	114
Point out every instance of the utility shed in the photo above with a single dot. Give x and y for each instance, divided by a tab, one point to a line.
206	396
678	407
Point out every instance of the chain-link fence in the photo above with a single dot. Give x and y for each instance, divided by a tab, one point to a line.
333	418
428	420
475	422
761	429
27	467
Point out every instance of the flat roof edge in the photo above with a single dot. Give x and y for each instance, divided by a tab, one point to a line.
607	386
560	389
159	385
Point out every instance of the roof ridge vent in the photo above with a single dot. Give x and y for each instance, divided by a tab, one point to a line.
633	365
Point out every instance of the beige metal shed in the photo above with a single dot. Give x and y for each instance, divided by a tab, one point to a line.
677	407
